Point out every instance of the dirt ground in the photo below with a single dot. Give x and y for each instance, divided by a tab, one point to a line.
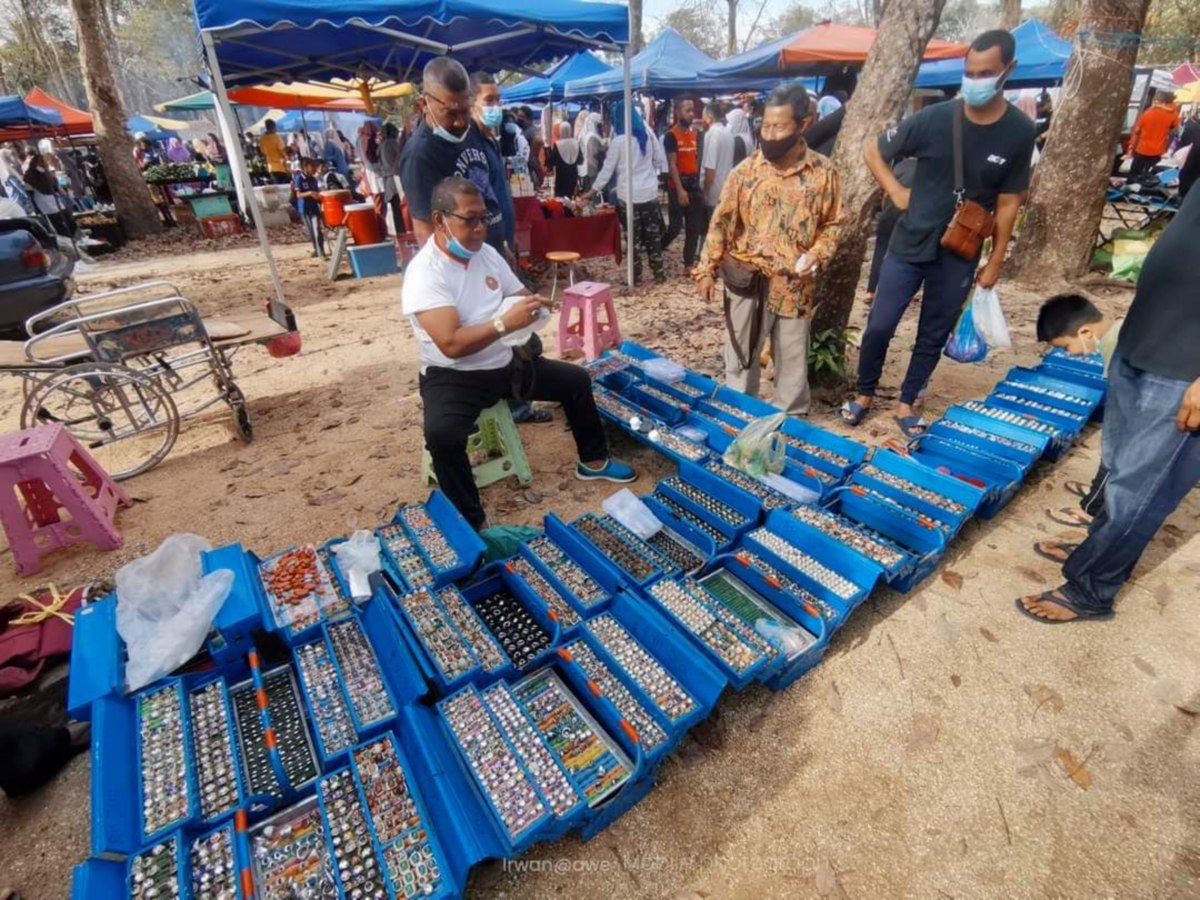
946	747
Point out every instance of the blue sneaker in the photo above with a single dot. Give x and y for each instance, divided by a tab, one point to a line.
610	471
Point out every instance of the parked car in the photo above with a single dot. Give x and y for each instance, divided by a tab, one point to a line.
35	273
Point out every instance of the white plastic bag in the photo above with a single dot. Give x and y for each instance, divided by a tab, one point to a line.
165	607
663	369
358	558
522	335
759	449
626	508
793	489
989	319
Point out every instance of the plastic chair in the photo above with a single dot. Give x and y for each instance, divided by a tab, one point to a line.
497	435
67	498
588	333
568	258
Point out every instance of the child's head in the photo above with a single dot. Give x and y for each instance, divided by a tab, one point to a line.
310	165
1072	323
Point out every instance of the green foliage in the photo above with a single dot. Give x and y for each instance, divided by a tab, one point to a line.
701	23
827	352
795	18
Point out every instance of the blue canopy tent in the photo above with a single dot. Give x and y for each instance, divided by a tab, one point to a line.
313	120
1041	61
550	85
140	124
248	42
14	111
668	63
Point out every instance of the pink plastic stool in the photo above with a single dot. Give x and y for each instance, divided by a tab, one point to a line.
588	333
67	498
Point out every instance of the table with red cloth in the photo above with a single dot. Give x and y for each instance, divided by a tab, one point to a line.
589	236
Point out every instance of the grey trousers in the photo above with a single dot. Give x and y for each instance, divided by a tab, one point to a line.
789	349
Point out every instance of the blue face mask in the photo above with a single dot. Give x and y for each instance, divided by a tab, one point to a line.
448	136
493	116
457	250
979	91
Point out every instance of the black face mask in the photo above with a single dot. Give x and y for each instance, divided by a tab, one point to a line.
773	151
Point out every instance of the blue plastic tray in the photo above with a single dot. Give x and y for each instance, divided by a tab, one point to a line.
461	536
1069	370
1013	432
721	435
625	577
639	353
750	408
495	577
1073	416
1059	440
1090	397
583	555
1068	424
853	451
999	478
97	658
192	685
890	462
671	410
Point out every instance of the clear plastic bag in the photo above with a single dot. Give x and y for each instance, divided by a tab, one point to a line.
965	344
358	558
759	449
166	607
664	369
988	317
626	508
793	489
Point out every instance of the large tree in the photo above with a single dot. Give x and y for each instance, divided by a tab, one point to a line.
905	27
134	205
635	26
1010	14
1066	199
731	44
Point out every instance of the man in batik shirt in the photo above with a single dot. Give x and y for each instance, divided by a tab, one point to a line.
775	224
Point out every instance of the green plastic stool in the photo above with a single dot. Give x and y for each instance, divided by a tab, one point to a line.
496	434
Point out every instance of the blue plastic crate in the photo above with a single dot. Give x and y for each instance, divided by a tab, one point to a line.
466	543
372	260
1092	398
815	481
852	452
97	658
999	478
580	558
1058	440
241	615
700	385
655	563
1040	442
913	475
809	534
1067	369
982	441
1070	425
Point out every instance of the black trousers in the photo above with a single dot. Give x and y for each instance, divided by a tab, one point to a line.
689	219
1142	165
30	755
453	400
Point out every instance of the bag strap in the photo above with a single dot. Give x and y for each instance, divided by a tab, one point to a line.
959	193
755	328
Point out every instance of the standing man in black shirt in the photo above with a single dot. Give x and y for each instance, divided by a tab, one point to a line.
1151	441
997	145
684	150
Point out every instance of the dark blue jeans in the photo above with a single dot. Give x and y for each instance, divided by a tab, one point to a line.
1152	466
947	281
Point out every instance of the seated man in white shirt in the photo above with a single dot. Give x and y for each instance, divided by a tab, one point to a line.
453	291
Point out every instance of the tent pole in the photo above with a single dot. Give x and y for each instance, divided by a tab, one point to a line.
279	308
231	133
630	246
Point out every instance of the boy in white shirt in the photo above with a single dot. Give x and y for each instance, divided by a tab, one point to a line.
453	292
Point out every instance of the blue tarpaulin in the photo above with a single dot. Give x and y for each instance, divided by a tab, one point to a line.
550	86
668	63
142	125
1041	60
259	41
14	111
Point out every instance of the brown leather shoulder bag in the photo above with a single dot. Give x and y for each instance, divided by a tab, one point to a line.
972	224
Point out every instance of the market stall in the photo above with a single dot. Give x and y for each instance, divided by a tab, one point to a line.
668	63
544	227
551	85
1041	61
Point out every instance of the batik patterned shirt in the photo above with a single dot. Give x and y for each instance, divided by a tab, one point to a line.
768	217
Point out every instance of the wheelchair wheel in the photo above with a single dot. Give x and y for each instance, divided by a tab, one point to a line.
127	421
242	425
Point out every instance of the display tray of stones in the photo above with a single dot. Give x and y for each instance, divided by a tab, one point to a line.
679	407
411	856
558	607
403	554
433	626
434	544
623	548
757	615
944	504
154	874
904	509
213	750
740	416
771	574
760	490
520	635
300	589
355	859
1072	415
594	761
289	855
624	411
650	733
362	679
729	640
607	365
858	538
713	509
655	681
167	793
982	434
213	866
1012	418
584	588
286	713
819	456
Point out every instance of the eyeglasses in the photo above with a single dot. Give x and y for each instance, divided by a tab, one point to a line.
472	222
454	109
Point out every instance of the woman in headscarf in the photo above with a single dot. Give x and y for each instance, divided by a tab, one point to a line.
743	138
177	152
335	155
10	179
565	156
591	150
389	168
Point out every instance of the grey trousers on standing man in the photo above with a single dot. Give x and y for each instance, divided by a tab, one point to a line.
789	349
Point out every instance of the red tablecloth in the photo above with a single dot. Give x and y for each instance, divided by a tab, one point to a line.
589	236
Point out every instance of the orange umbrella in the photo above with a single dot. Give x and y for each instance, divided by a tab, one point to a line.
850	44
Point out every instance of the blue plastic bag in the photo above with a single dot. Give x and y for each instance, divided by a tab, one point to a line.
966	344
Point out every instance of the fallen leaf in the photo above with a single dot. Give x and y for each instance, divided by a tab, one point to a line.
1044	696
988	636
833	696
353	481
1032	574
330	496
1074	767
1144	666
827	882
953	579
955	680
1173	530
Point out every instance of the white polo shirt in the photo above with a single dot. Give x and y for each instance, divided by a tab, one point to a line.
435	279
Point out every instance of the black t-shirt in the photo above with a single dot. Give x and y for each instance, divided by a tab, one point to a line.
996	160
1161	333
822	134
427	159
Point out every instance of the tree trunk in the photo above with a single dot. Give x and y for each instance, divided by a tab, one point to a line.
731	46
134	205
1066	199
635	27
905	27
1010	14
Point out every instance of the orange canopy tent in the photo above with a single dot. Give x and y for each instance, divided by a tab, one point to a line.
75	121
833	43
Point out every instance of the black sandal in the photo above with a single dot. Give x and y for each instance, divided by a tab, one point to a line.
1082	614
1072	518
1066	547
1078	488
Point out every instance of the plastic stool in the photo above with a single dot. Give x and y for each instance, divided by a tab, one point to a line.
588	334
496	434
67	497
567	258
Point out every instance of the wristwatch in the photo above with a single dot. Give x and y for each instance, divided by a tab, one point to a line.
498	324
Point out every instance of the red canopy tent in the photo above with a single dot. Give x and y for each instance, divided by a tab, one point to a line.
75	121
1186	74
833	43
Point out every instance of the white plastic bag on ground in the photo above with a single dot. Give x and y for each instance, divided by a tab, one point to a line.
989	319
358	558
759	449
166	606
626	508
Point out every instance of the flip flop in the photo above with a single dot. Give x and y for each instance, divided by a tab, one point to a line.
1072	518
1078	488
538	417
852	412
912	426
1082	614
1068	548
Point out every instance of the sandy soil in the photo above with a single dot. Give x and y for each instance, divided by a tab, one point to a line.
946	746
